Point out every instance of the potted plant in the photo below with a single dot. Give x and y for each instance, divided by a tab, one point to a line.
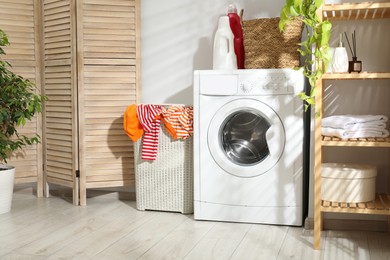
18	104
315	49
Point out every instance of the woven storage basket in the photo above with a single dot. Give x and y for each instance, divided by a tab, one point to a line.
166	184
266	47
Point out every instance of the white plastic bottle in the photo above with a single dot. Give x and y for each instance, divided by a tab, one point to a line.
340	58
224	57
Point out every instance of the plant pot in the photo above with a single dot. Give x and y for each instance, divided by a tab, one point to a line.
7	176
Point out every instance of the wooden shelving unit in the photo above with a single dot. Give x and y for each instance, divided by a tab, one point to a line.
358	142
355	11
357	76
381	204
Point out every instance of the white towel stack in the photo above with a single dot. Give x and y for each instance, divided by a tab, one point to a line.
355	126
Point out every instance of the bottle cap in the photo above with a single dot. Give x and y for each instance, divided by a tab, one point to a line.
232	9
223	22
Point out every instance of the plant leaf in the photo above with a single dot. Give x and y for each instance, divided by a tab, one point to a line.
18	104
318	3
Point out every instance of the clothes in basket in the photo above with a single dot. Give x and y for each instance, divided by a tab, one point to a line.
166	183
178	121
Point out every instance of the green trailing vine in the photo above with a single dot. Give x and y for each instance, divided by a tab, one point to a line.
315	48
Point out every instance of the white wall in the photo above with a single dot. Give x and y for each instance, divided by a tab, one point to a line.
177	38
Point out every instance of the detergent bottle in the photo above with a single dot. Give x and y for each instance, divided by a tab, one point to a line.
223	51
236	27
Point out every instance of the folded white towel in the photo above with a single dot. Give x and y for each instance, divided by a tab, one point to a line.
348	121
345	134
367	125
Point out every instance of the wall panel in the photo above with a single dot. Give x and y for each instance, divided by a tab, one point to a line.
84	56
60	86
91	75
19	19
107	85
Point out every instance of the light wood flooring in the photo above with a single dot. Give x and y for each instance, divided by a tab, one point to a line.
111	228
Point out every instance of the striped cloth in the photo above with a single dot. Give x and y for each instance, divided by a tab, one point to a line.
146	115
179	121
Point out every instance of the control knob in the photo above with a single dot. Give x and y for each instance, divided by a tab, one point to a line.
246	86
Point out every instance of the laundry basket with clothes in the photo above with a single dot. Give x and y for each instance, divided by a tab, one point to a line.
163	152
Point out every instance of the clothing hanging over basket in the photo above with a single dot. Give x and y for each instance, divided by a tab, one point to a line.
145	119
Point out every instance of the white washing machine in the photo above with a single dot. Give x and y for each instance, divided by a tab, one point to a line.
248	143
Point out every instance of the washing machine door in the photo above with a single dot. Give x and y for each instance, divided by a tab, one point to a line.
246	138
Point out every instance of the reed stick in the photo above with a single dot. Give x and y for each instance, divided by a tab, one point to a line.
354	43
350	48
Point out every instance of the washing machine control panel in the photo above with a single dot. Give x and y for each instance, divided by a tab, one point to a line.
277	84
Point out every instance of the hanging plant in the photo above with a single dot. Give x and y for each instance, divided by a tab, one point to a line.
18	104
315	48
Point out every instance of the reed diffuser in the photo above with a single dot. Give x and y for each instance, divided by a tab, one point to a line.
354	65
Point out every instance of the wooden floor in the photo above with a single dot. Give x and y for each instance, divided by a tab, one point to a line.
111	228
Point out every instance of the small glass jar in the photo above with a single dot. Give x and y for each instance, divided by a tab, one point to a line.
355	65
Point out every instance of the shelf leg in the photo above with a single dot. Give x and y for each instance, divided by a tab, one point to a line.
317	166
388	225
318	224
317	198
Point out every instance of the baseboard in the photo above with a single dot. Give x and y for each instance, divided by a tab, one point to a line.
106	192
122	193
348	224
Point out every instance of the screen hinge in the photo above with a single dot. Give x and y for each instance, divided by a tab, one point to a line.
77	173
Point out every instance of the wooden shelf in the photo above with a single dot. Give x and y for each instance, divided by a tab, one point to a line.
356	76
355	11
379	206
358	142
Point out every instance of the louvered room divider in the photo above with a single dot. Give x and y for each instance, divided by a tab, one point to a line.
84	55
20	21
91	74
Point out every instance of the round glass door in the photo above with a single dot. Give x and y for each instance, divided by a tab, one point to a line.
246	138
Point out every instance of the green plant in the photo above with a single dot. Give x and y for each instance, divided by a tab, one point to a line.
18	104
315	48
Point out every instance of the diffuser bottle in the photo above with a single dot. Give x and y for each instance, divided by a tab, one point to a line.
236	27
355	65
340	58
223	51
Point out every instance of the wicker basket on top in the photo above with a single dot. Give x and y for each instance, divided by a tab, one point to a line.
266	47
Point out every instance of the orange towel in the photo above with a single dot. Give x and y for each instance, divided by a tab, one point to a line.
131	124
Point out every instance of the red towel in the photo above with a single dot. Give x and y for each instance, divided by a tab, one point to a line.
147	117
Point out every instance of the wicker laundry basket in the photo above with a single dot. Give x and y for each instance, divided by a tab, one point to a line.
166	184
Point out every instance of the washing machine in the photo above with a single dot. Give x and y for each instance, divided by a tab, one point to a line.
248	146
